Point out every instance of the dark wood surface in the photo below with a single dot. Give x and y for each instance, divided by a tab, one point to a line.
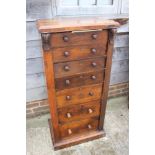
79	80
78	38
85	110
78	95
78	67
77	77
78	52
77	127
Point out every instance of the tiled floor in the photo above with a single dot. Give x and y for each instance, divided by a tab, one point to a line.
115	142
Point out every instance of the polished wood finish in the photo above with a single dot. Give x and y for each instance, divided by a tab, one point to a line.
77	127
79	38
79	80
78	95
78	67
78	52
85	110
77	58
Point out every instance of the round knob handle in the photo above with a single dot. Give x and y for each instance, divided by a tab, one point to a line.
93	50
91	93
69	115
66	53
90	111
66	68
65	38
94	36
68	97
94	64
89	126
69	131
93	77
67	82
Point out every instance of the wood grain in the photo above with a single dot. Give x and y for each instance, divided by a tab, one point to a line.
107	77
79	111
78	67
62	24
78	38
78	95
78	52
79	80
78	127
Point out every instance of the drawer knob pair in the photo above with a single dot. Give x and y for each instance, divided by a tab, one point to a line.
66	53
94	36
68	97
66	39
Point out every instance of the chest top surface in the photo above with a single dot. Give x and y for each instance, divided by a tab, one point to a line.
63	24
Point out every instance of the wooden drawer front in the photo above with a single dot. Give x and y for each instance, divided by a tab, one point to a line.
78	127
78	95
79	80
77	52
78	67
77	112
82	38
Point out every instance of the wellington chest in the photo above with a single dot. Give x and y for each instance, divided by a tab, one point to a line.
77	55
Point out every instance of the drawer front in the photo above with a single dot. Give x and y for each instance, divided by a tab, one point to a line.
77	52
78	95
78	127
78	67
77	112
79	80
82	38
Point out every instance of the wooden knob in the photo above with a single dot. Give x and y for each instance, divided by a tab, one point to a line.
68	97
66	54
93	50
65	38
93	77
69	131
89	126
66	68
90	111
69	115
67	82
94	64
94	36
91	93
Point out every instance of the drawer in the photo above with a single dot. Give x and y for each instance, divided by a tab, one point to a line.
79	80
80	111
78	67
81	38
78	95
77	127
77	52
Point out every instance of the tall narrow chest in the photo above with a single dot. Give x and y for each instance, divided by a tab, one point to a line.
77	55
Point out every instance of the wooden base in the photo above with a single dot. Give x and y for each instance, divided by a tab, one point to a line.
75	139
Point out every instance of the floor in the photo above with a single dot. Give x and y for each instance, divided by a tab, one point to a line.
115	142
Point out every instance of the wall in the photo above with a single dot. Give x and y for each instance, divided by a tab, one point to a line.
39	9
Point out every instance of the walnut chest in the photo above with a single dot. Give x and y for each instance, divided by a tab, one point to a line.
77	56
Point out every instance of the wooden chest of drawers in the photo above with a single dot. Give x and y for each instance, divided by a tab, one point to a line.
77	58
